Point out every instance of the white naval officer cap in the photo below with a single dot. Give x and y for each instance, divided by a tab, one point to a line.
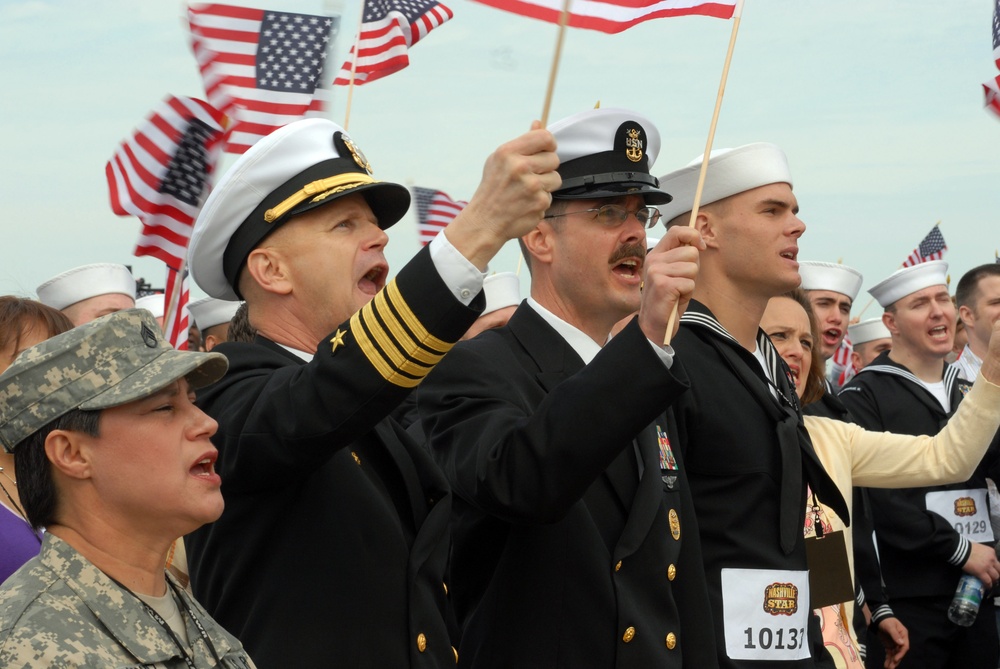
153	303
730	171
909	280
830	276
868	330
607	152
85	282
209	312
296	168
502	289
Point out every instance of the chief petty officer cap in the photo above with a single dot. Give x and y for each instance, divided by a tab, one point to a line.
209	312
909	280
82	283
607	153
296	168
830	276
868	330
105	363
730	171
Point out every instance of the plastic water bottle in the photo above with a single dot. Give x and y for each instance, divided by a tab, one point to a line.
965	603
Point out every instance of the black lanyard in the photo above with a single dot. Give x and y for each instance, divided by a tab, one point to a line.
166	626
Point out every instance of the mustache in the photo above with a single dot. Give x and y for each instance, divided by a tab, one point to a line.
627	251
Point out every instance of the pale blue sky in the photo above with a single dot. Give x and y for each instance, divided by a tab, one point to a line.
878	105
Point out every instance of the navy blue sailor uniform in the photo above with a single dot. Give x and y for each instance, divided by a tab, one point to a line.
923	534
748	460
575	543
334	541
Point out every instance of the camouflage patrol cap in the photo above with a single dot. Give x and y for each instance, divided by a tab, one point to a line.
108	362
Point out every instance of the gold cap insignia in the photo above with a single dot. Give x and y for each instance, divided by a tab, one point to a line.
356	154
633	145
781	599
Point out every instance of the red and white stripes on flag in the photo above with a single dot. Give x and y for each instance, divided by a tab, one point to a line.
931	247
842	361
614	16
175	310
388	29
991	89
435	210
160	174
263	68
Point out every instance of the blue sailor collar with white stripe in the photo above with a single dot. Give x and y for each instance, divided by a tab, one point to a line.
698	315
883	364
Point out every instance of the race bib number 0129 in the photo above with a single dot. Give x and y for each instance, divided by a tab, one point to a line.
966	510
766	613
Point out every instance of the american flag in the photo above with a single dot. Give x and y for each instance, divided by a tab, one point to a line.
261	67
931	248
388	29
991	89
842	361
434	211
614	16
175	310
160	174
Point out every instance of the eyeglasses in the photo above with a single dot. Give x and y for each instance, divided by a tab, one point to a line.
613	215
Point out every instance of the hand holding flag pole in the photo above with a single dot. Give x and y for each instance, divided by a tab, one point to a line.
737	14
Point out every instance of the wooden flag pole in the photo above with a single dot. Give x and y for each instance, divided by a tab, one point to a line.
563	20
872	299
737	14
354	67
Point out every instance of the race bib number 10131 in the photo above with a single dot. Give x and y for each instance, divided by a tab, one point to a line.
766	614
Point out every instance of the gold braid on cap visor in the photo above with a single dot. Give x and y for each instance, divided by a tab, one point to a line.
317	190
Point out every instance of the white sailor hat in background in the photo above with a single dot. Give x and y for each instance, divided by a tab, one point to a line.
830	276
607	153
909	280
503	289
298	167
84	282
153	303
866	331
730	171
209	312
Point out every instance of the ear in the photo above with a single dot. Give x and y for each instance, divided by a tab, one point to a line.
269	271
889	320
211	341
706	222
965	315
855	360
540	243
67	453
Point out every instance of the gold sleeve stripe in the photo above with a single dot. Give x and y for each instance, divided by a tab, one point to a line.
423	337
401	335
388	349
375	358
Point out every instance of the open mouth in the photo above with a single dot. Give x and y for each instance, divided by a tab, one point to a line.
791	254
205	468
629	268
373	280
832	337
940	332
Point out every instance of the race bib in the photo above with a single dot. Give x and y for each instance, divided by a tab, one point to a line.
968	512
766	614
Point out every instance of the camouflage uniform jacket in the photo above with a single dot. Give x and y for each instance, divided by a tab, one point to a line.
59	610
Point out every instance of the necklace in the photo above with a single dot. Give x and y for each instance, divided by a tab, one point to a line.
4	472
